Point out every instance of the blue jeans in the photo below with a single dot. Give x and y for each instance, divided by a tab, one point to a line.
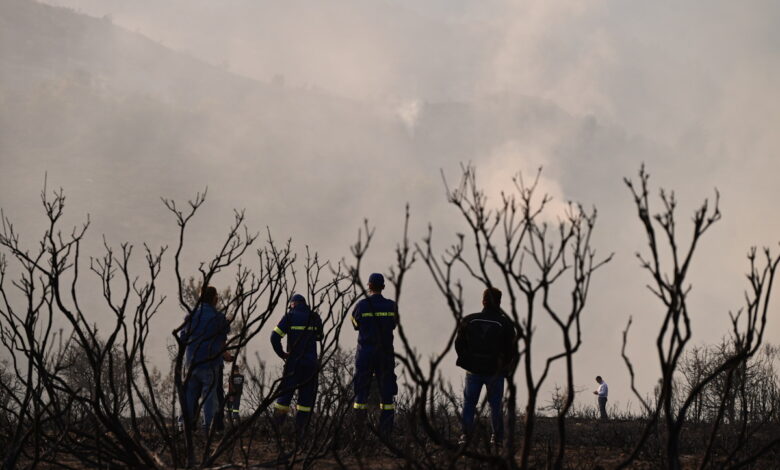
495	392
203	384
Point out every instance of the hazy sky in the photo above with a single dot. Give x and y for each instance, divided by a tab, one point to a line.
355	106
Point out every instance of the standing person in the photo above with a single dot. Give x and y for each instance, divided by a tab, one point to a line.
303	329
235	389
375	318
487	349
602	392
204	334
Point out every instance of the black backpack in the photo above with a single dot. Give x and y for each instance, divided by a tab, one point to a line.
485	339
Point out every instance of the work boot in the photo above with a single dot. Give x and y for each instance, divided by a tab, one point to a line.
301	422
360	432
386	421
496	444
279	418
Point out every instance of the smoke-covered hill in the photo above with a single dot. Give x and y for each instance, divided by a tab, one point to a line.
98	105
119	120
120	114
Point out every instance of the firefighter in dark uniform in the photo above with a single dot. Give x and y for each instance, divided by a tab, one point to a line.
375	318
235	390
303	328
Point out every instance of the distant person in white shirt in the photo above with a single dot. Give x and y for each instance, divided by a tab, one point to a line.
602	392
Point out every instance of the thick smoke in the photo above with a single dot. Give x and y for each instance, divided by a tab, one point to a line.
315	115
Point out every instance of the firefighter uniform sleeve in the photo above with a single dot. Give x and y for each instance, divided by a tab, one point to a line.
356	317
279	332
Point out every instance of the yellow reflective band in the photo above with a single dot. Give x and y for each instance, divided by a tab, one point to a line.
360	406
304	408
379	314
279	331
234	411
391	406
354	322
303	328
281	407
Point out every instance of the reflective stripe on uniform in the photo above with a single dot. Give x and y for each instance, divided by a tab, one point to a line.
304	408
378	314
312	328
281	407
354	322
360	406
382	406
279	331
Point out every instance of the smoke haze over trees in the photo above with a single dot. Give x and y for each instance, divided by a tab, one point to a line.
313	118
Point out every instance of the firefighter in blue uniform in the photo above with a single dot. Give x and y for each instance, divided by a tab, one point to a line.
303	328
375	318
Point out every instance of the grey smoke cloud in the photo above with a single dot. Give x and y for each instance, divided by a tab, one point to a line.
351	108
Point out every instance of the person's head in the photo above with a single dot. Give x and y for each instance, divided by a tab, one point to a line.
297	300
598	379
208	295
376	282
491	298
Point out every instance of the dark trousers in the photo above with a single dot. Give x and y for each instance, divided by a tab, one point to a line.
603	408
232	404
300	377
495	392
370	364
219	416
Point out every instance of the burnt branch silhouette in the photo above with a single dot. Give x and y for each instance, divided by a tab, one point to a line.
81	386
668	264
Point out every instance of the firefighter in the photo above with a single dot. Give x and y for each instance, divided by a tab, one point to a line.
235	389
375	318
303	328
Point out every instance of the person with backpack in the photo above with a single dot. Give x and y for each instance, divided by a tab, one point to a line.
303	328
486	344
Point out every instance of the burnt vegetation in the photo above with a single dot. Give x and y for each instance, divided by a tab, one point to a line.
76	396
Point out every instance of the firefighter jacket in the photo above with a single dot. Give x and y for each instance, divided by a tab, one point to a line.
303	328
375	318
